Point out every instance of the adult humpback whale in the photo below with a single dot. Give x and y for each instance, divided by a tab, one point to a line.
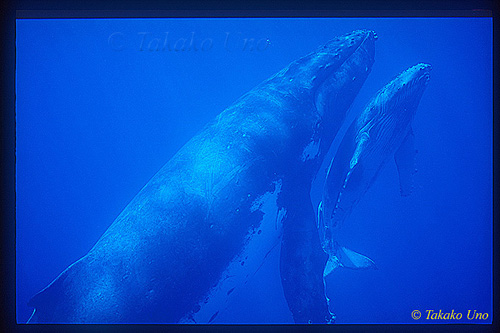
197	229
382	130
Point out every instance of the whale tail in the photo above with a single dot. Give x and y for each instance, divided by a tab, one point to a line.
343	257
338	256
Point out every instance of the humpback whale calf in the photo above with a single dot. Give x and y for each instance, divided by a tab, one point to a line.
207	220
382	130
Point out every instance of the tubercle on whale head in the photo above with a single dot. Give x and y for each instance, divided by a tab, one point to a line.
333	97
410	81
350	73
320	87
308	73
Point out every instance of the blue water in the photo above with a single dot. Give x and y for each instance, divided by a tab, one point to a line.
101	105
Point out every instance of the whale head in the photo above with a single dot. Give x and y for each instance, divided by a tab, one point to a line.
339	66
390	113
322	86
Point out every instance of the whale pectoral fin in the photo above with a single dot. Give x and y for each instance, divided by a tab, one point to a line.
354	260
33	318
321	227
319	223
301	263
46	301
405	161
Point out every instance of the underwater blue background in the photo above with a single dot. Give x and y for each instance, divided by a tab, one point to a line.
100	108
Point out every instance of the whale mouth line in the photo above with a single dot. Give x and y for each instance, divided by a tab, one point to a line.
426	77
420	81
425	70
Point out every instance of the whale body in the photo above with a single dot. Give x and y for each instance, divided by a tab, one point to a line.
208	219
382	130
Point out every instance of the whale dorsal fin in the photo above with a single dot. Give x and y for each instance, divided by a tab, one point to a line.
405	161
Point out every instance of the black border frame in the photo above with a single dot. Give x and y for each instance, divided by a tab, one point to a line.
11	10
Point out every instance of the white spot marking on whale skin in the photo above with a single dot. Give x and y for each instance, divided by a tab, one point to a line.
258	244
311	151
280	217
259	202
